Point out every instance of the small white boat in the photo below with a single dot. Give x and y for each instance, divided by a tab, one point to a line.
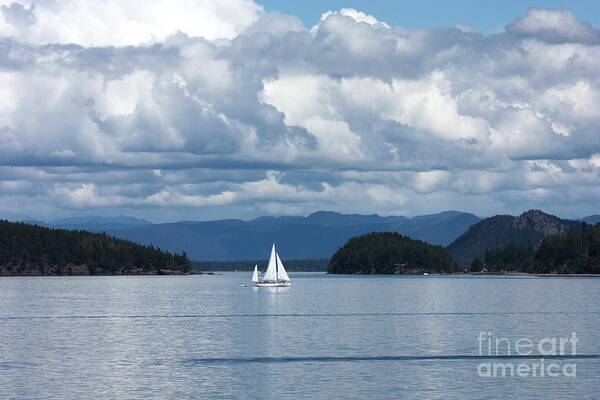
275	275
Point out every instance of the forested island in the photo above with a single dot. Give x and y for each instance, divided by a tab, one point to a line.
390	253
34	250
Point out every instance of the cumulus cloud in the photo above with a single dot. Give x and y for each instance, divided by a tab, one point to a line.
204	109
356	15
559	26
122	23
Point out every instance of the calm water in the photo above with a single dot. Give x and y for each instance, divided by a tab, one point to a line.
326	337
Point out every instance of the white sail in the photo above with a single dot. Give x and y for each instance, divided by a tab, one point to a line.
255	274
271	273
281	272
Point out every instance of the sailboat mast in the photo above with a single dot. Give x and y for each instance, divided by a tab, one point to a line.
276	267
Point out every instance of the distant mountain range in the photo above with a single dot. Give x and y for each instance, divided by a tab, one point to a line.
94	219
501	230
317	236
93	223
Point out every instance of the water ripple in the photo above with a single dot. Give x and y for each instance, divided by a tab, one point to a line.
5	366
333	359
294	315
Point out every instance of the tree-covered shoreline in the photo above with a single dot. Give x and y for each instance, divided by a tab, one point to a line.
34	250
574	252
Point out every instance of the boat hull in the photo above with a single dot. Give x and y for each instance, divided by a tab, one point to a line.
273	284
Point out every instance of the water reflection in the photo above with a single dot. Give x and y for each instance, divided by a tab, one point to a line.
324	337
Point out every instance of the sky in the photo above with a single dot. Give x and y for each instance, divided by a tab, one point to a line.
481	15
205	109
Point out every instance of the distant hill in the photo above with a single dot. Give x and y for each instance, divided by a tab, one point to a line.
591	219
389	253
35	250
502	230
94	219
98	224
317	236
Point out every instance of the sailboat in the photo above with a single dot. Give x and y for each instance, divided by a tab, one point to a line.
255	274
275	276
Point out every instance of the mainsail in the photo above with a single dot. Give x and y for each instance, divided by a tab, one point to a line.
271	273
275	271
255	274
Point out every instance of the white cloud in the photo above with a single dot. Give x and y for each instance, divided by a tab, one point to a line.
429	181
356	15
122	23
220	109
555	25
121	96
426	104
579	100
